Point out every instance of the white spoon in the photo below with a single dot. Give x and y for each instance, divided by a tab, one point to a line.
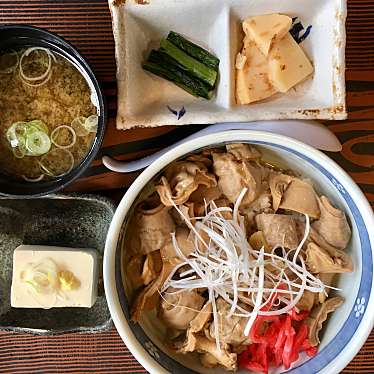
309	132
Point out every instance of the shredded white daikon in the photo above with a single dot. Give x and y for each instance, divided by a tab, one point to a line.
229	268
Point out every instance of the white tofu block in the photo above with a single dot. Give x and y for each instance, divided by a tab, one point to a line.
81	262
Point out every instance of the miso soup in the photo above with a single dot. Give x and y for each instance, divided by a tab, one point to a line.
47	119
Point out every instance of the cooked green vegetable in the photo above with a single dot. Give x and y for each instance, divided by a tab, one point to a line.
28	138
193	66
160	57
177	76
193	50
185	64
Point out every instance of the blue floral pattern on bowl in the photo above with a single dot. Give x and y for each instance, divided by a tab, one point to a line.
360	307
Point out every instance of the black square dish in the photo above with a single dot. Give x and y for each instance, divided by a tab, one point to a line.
59	220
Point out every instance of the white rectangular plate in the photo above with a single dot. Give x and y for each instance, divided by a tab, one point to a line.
145	100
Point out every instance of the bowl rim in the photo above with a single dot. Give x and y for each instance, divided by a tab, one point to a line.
148	362
71	53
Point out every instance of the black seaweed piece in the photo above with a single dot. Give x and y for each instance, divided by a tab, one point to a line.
305	35
296	29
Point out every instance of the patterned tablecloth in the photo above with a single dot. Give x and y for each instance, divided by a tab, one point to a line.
87	24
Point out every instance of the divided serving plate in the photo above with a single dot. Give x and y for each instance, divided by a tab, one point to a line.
61	220
145	100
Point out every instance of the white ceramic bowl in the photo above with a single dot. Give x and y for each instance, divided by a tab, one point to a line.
216	25
347	328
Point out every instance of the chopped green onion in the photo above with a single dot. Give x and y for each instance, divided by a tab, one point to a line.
91	123
38	125
33	180
83	126
17	130
37	143
78	124
28	138
42	276
16	138
19	151
42	78
57	163
54	136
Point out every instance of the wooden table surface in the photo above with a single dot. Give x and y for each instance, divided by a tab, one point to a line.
87	24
